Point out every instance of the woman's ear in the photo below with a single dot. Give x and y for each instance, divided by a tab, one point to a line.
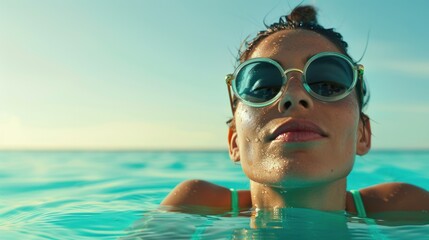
364	136
234	153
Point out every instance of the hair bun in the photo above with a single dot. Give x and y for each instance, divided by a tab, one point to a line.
304	14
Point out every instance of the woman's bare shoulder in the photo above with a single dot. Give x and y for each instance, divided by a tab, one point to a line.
198	193
395	196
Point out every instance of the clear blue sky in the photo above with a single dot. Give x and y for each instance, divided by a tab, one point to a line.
150	74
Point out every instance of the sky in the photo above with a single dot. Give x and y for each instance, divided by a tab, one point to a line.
149	74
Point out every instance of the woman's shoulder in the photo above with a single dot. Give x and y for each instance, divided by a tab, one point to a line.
395	196
198	193
192	194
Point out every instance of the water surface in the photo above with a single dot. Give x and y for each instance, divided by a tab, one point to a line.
108	195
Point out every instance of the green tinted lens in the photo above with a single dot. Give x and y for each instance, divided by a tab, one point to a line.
329	76
258	82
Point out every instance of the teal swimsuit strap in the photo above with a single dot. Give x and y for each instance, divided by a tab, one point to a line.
358	203
234	201
372	225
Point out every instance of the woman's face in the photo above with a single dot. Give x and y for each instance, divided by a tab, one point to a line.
298	140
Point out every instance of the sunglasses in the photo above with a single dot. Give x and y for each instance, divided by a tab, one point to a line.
327	76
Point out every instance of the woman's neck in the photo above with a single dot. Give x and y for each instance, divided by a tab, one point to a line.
326	197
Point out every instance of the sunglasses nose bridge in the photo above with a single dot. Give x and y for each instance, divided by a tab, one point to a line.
287	75
293	93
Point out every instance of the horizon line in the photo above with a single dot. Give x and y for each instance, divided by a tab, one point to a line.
169	149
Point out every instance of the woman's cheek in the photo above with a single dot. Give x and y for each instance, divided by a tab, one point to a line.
248	125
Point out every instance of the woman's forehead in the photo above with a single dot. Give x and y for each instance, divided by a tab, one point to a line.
293	45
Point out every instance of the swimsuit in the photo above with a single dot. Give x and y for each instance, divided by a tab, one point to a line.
355	193
358	203
234	201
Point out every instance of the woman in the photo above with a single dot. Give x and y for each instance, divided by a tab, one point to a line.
297	100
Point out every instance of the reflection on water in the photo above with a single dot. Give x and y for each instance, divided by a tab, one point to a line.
287	223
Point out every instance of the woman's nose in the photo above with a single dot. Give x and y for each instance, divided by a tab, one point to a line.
294	95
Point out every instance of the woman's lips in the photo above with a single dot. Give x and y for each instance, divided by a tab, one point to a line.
298	136
298	131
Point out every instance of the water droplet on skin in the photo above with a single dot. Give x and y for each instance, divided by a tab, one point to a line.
257	140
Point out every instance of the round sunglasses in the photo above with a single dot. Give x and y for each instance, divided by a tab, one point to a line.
327	76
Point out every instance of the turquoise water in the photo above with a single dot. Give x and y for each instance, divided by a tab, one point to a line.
111	195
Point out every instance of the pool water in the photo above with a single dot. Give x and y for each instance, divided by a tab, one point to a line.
111	195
